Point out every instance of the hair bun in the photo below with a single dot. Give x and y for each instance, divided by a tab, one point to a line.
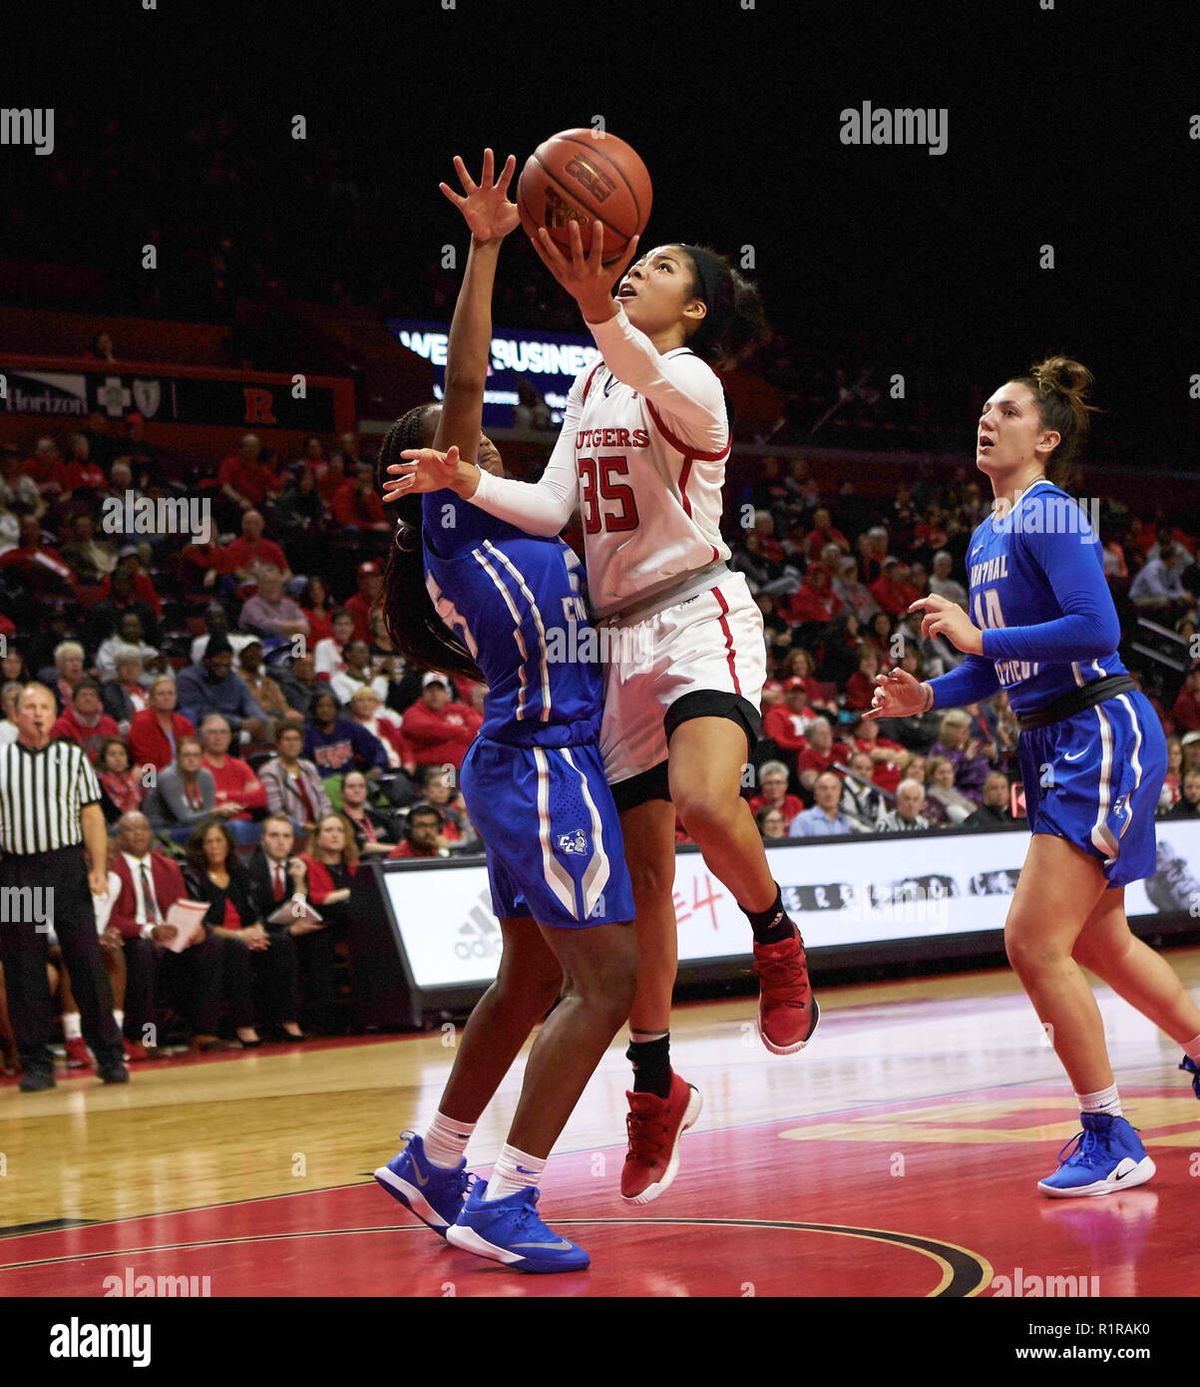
1064	375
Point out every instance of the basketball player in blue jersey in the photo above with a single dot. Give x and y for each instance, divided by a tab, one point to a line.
469	593
1042	626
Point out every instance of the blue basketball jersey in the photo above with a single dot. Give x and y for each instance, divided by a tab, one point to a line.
518	604
1038	593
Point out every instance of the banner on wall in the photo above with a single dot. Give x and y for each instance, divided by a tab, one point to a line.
853	892
179	395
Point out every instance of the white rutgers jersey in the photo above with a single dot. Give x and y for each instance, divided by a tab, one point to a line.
650	504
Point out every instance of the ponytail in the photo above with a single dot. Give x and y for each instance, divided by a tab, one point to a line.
1060	386
735	320
412	622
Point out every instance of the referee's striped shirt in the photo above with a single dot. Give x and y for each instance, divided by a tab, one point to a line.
41	795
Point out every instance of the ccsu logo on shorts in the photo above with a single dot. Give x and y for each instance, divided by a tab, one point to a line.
572	842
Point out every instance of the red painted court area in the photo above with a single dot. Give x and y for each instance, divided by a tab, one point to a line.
927	1198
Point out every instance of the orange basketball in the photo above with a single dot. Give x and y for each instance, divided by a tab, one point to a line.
585	176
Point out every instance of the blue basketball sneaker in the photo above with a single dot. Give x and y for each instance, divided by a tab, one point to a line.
509	1230
1106	1156
1194	1070
433	1192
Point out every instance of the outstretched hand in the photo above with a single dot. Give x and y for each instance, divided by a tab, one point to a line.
898	694
487	210
945	618
428	470
584	277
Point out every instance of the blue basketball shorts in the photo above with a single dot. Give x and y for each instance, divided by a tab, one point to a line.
551	833
1095	778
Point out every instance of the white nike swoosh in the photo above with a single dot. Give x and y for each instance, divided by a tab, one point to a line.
561	1243
1078	754
977	550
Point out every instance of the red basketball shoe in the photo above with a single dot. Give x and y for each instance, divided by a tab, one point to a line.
787	1011
655	1125
78	1056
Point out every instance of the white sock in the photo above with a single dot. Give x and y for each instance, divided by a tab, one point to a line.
446	1140
72	1025
515	1170
1105	1100
645	1037
1192	1049
119	1018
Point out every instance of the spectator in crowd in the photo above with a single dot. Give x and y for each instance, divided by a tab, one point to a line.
190	980
185	794
328	652
316	602
277	874
66	673
246	482
892	589
81	473
331	865
154	732
123	595
785	724
1189	798
439	788
215	688
265	689
9	696
773	792
967	754
293	784
1158	586
259	973
125	695
888	758
995	811
204	567
129	634
356	504
772	823
127	584
335	744
19	493
907	816
942	584
820	754
814	602
373	832
862	797
881	634
1173	780
854	595
825	819
121	787
298	681
860	687
91	559
357	673
331	481
269	612
300	509
85	721
823	532
45	468
423	836
438	731
363	602
248	555
366	709
798	664
944	804
1186	710
239	792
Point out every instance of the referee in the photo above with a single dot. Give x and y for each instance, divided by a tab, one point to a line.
50	808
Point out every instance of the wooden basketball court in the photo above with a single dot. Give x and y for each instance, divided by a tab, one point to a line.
897	1156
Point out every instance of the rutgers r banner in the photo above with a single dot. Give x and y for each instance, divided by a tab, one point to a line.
59	389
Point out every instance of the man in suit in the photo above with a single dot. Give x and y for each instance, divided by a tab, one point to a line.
276	877
150	884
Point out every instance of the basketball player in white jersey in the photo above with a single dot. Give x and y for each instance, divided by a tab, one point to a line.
642	452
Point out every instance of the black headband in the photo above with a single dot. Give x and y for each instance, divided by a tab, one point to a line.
712	274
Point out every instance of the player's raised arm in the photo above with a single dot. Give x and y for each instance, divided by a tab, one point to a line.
490	217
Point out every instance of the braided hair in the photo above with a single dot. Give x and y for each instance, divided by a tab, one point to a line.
412	622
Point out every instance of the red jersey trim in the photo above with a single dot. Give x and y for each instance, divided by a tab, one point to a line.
689	453
587	385
730	652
